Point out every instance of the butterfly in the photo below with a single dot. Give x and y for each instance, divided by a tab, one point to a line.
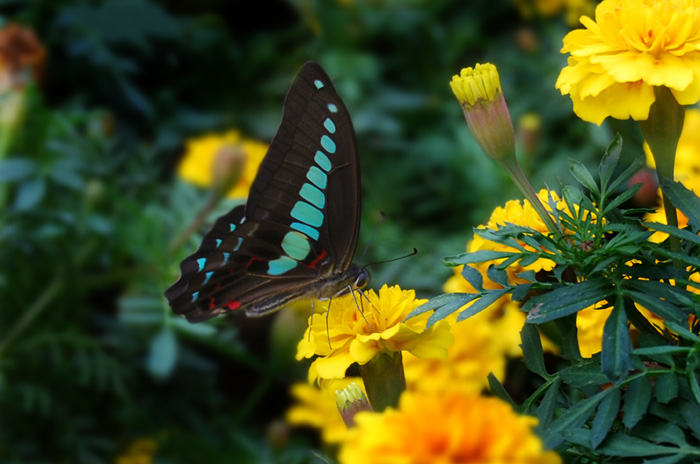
296	235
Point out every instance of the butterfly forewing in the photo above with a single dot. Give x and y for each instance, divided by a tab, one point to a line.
315	150
298	231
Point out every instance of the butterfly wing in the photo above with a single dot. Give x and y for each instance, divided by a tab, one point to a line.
301	222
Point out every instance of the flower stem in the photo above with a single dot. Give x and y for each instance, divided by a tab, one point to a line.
384	379
662	130
511	166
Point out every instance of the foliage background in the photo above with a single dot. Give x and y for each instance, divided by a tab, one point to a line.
91	360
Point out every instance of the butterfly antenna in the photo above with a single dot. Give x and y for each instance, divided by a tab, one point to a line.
374	232
408	255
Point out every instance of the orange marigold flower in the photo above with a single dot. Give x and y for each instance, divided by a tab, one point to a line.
630	48
344	335
20	50
444	429
211	161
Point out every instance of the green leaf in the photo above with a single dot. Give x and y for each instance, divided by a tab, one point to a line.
659	350
583	176
637	398
666	388
605	417
609	162
692	368
497	275
683	332
574	417
569	337
666	459
498	390
162	354
479	305
622	445
532	350
474	277
661	432
675	231
620	199
444	311
626	175
442	300
547	407
16	169
615	358
683	199
29	194
691	414
566	300
584	374
475	257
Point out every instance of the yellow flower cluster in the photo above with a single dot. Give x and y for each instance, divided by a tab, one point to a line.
358	327
208	157
444	429
630	48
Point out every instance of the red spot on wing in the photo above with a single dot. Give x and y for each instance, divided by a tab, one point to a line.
252	260
212	302
233	304
318	259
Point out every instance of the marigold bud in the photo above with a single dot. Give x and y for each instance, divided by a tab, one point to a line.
229	163
479	92
350	401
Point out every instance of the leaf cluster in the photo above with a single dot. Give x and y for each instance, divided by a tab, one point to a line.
640	396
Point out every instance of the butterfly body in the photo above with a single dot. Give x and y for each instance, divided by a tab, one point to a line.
296	235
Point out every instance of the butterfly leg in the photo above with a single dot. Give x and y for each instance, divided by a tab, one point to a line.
328	331
352	292
368	301
311	317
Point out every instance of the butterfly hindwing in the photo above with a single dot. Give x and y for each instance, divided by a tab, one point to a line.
298	231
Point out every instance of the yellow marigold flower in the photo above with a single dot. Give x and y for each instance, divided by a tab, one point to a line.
631	47
479	92
443	429
140	451
207	156
481	346
316	407
358	337
518	212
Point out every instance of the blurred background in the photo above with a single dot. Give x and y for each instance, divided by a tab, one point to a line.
103	103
